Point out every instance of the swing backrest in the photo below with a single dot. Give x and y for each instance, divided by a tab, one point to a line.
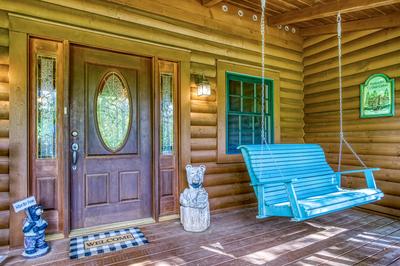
272	164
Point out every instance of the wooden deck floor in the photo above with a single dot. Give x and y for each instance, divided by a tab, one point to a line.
238	238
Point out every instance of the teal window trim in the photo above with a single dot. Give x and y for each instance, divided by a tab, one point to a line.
269	124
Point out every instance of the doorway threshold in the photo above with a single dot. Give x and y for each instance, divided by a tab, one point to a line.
108	227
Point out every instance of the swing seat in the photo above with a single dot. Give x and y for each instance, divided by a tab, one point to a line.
294	180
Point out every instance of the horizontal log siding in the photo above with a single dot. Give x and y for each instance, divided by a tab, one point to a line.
377	140
228	184
211	35
4	136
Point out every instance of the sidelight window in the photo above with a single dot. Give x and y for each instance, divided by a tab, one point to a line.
46	108
167	114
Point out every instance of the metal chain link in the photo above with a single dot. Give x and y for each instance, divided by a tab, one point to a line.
264	90
341	133
341	136
263	139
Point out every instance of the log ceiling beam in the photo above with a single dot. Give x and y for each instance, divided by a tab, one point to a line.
386	21
211	3
326	10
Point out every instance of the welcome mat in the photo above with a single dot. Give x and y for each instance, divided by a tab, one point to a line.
85	246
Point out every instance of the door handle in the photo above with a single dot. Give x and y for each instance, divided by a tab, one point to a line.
75	148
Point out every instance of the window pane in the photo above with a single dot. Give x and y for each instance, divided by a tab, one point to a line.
113	109
246	130
234	87
248	105
167	114
269	126
257	130
46	108
259	106
248	89
234	103
259	91
233	133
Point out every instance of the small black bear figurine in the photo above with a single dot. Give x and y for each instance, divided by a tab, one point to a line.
34	236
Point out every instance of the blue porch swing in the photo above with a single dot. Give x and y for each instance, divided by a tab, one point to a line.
294	180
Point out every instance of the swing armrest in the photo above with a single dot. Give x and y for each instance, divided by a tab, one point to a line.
369	176
357	171
294	203
291	193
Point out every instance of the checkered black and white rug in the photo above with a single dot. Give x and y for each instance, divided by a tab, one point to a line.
85	246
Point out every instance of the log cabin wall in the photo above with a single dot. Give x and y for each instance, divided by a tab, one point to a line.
377	140
4	132
228	184
210	35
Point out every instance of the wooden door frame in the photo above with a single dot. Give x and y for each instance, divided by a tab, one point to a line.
53	49
21	28
90	51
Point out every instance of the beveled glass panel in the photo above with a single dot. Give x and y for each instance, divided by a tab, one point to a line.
113	110
234	87
46	108
167	115
234	103
246	130
248	105
233	133
259	106
248	89
257	129
259	91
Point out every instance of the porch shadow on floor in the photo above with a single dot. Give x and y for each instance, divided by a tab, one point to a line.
236	237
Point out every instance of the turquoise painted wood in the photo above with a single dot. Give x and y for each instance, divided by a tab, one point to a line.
294	180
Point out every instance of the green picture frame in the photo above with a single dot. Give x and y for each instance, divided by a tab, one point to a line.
377	97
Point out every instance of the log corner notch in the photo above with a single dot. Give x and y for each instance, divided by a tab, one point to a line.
210	3
324	10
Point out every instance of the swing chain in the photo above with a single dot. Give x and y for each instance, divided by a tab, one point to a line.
263	4
341	133
264	90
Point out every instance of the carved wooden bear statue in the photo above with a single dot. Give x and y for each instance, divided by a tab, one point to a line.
195	209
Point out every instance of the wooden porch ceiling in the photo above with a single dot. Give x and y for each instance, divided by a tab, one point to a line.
315	17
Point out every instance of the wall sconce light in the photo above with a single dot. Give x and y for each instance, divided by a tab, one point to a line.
203	86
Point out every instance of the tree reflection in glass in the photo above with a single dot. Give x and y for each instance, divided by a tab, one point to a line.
46	108
113	111
167	114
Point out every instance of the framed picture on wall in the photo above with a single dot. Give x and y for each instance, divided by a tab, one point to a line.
377	96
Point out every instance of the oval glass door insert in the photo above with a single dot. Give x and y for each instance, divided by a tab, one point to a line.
113	111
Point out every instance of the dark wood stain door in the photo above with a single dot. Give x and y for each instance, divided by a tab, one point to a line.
110	123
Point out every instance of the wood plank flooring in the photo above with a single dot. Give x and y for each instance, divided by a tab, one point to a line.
236	237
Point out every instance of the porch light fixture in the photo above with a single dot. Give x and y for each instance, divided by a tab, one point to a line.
203	87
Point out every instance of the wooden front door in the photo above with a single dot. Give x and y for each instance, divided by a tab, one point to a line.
110	138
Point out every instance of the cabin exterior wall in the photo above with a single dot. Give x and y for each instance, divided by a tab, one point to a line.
228	183
210	36
4	131
377	140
